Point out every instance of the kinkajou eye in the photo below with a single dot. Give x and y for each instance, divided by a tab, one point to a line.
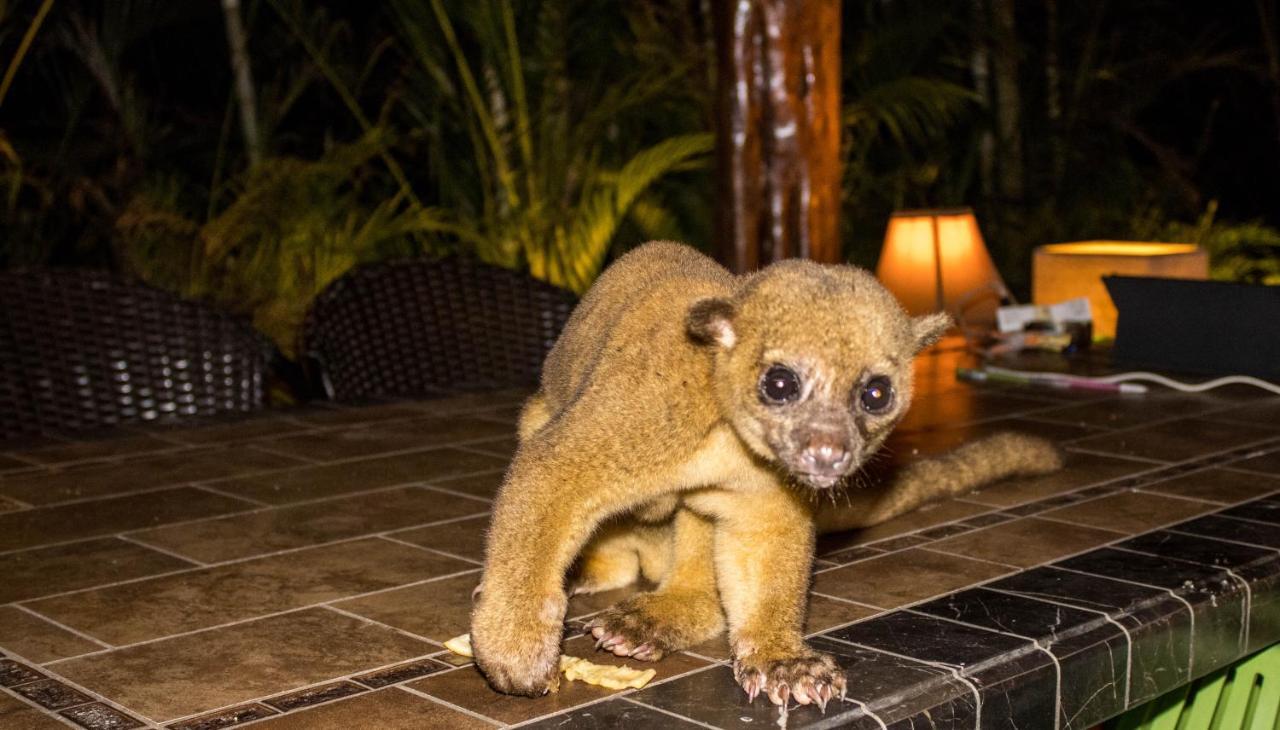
779	385
876	395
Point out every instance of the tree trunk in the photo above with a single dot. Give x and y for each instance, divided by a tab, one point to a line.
1053	96
1008	103
778	125
243	81
980	67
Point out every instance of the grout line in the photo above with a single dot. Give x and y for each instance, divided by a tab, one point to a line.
44	711
272	614
1070	446
450	705
684	718
453	493
367	620
300	688
94	696
214	490
992	661
430	550
130	539
952	669
62	626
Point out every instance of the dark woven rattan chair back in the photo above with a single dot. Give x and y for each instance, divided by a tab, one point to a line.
84	350
431	327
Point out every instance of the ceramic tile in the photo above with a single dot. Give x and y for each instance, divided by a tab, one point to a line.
1203	550
1157	623
1261	412
331	480
97	716
465	687
1126	412
400	673
1081	470
14	673
1129	512
224	430
889	581
133	475
1217	485
1037	541
296	526
44	571
1265	463
611	714
102	445
405	608
52	694
1260	567
966	405
314	696
904	445
1225	528
14	713
478	485
347	416
82	520
38	640
825	614
1176	440
1016	690
713	697
346	443
389	709
225	718
950	510
1259	510
189	674
1092	653
1216	598
464	538
197	599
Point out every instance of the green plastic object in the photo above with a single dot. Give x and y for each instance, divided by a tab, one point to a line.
1244	696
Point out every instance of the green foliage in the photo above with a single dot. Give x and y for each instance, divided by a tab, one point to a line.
534	163
1243	252
293	227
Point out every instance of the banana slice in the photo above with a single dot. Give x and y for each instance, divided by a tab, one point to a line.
577	669
460	645
605	675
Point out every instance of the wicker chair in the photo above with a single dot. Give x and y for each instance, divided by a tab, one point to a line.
83	349
432	327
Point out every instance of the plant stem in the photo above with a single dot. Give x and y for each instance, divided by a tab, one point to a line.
243	81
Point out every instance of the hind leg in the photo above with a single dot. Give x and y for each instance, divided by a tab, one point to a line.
683	611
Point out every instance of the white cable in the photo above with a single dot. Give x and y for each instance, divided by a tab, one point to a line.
1152	378
1192	387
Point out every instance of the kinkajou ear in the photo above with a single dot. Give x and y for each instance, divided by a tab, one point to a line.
710	322
929	328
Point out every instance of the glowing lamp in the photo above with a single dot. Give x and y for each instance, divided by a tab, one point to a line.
936	260
1061	271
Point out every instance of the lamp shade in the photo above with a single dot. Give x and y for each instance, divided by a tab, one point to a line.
1061	271
936	260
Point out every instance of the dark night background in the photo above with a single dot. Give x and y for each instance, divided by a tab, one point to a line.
123	148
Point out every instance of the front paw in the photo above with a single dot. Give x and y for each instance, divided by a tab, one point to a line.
808	677
518	652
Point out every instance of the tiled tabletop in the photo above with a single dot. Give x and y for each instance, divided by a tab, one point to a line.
302	569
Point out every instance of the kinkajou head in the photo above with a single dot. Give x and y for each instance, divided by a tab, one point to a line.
813	389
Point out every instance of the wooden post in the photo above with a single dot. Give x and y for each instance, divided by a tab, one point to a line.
778	131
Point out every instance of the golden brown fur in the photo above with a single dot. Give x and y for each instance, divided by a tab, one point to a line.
668	441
